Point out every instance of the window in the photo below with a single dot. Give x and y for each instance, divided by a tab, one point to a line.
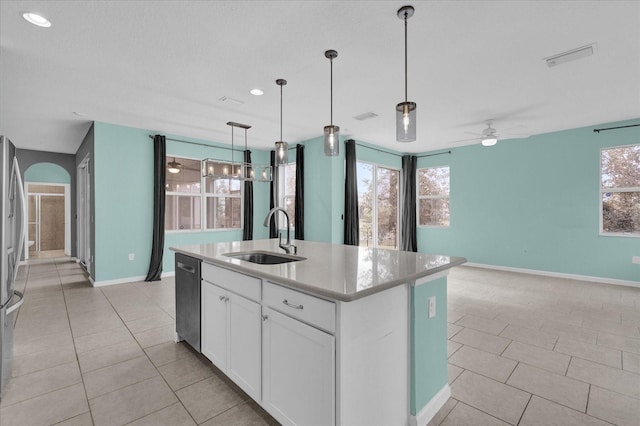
378	205
433	196
620	190
183	196
189	198
287	193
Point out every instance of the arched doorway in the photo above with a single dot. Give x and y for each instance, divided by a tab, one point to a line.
48	210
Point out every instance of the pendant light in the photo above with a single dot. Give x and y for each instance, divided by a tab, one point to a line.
174	166
331	132
281	146
405	111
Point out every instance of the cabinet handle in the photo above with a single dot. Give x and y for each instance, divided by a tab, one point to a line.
286	302
187	268
265	317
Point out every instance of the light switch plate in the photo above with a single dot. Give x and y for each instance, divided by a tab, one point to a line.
432	307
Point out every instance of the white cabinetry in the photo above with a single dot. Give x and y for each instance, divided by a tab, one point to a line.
231	332
298	373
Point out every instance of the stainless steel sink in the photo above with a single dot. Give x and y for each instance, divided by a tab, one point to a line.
264	257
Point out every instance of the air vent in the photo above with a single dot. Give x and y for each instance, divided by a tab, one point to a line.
571	55
365	116
229	100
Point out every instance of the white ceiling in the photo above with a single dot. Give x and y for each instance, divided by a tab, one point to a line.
163	65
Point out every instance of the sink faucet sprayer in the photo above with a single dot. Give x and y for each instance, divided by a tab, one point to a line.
288	247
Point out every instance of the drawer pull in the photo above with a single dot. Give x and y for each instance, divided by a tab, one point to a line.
292	306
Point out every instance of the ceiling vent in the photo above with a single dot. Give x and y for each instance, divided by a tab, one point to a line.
571	55
365	116
231	101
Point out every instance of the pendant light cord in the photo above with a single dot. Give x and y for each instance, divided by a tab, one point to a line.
405	55
331	84
281	112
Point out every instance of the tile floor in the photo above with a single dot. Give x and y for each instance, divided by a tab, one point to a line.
523	350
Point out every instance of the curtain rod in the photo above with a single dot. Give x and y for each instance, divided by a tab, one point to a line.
400	155
198	143
431	155
614	128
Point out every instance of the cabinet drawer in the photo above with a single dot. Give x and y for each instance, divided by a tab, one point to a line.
312	310
236	282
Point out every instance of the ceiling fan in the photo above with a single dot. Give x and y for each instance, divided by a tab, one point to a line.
488	137
176	167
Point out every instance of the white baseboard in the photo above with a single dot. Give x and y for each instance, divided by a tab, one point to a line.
118	281
557	275
431	409
168	274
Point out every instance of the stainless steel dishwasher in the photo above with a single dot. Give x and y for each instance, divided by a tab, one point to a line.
188	299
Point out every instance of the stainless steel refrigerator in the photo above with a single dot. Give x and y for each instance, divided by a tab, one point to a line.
12	238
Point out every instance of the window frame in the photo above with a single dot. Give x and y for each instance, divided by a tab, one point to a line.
602	191
204	196
431	197
374	210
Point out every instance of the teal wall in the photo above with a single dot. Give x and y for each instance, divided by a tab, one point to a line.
124	201
533	204
428	343
46	173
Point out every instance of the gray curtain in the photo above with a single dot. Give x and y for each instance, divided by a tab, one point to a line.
159	178
247	231
299	207
408	234
351	219
273	190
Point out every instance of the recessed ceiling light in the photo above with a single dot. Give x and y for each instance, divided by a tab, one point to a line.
256	92
36	19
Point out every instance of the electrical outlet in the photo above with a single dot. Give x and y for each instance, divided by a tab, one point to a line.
432	307
132	256
635	259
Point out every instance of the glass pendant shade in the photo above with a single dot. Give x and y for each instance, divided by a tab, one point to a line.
406	121
281	153
331	140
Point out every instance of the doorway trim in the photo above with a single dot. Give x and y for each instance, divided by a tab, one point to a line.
67	215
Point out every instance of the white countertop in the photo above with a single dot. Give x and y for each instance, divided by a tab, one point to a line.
336	271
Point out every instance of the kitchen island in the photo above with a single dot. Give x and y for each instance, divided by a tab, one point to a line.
343	335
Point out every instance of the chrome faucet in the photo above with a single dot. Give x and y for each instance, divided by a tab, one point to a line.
287	247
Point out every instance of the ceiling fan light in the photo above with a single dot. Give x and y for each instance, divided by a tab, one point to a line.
489	140
174	166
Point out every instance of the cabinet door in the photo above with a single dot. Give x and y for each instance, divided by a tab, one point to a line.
214	324
298	371
245	344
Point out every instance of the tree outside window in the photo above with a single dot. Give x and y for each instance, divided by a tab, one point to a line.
620	190
377	205
433	196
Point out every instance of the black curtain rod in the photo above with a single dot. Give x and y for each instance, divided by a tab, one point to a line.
200	144
437	153
379	150
614	128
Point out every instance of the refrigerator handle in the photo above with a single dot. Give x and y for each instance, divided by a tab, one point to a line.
17	304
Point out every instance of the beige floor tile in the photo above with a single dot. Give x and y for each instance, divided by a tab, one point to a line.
102	340
538	357
148	323
589	315
186	371
41	382
452	329
485	363
453	315
96	325
443	412
543	412
610	378
563	390
453	371
140	312
155	336
518	317
613	407
47	409
530	336
628	330
631	362
103	357
589	351
570	331
480	340
452	347
173	415
462	414
165	353
244	414
51	357
622	343
81	420
482	324
499	400
107	379
131	403
208	398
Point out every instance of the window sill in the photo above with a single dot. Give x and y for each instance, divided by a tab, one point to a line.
620	234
